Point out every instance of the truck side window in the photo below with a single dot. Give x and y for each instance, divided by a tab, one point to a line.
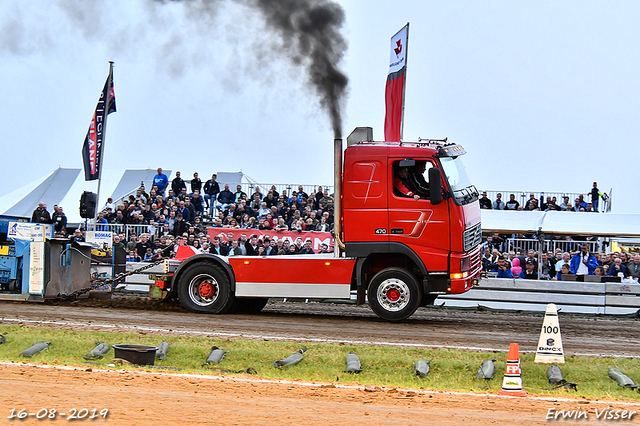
411	181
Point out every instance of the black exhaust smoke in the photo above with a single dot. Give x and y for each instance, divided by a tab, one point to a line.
309	32
311	29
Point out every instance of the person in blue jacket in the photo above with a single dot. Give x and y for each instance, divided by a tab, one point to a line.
565	269
503	269
225	198
617	267
161	181
529	272
583	263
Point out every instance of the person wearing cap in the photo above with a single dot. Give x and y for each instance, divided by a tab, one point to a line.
529	272
485	202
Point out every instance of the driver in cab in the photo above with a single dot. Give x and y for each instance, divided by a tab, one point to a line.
401	183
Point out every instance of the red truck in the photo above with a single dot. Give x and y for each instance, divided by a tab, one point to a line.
407	229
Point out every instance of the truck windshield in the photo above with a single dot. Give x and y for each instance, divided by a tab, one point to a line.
456	173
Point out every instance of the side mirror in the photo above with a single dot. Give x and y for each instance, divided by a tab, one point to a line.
435	184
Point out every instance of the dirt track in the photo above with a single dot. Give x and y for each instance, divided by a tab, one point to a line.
145	398
154	398
608	336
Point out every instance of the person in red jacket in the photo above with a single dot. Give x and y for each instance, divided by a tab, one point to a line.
401	183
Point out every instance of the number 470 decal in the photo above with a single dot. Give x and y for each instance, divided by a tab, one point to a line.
381	231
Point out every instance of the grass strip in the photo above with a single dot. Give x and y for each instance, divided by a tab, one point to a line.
381	365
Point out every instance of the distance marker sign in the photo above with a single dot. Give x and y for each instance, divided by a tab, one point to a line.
550	344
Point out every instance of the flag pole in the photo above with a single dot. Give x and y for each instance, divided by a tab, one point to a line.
404	86
104	134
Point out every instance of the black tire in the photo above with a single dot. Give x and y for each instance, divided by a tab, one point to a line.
394	294
205	288
250	305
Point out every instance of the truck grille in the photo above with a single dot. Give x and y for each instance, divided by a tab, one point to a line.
472	237
475	260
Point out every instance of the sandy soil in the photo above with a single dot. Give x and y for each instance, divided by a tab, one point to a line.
152	398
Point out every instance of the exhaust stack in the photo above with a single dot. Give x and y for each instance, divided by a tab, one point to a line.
337	194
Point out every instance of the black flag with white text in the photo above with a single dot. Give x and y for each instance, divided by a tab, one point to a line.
94	141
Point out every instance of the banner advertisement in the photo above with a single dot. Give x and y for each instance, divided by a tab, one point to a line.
317	238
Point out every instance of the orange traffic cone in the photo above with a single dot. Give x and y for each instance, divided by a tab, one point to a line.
512	383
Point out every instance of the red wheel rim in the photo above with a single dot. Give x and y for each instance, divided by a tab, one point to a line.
393	295
206	290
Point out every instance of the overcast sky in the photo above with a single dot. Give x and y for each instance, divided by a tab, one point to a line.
544	95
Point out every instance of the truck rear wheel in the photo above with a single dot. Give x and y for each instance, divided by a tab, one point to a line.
394	294
205	288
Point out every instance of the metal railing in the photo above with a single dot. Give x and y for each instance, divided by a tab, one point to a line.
249	188
129	230
527	244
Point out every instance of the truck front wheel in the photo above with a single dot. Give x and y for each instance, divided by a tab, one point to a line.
394	294
205	288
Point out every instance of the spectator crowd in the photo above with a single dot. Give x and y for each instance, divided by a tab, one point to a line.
546	204
555	264
174	213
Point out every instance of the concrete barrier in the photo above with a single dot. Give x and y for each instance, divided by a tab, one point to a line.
533	295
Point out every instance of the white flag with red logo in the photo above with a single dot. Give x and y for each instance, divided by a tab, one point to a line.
394	92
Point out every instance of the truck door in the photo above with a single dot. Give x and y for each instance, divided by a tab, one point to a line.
365	201
414	221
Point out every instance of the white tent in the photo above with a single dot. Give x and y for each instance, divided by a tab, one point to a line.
65	186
